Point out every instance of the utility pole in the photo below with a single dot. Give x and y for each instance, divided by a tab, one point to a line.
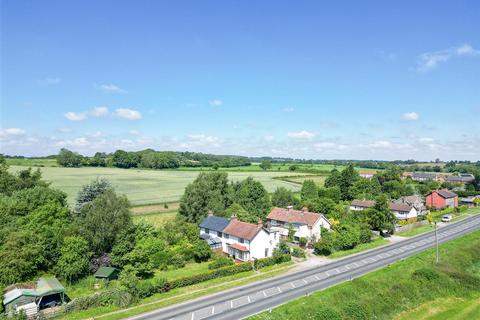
436	242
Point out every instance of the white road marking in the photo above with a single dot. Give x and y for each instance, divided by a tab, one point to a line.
280	290
193	315
213	309
306	282
264	294
291	283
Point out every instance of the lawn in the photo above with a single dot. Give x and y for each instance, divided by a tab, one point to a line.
401	288
146	186
361	247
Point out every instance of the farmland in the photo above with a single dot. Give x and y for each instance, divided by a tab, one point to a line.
147	186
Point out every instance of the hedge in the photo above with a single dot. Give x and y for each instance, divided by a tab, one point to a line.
221	272
265	262
110	297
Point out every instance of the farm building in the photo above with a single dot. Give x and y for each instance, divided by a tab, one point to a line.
106	273
48	293
442	199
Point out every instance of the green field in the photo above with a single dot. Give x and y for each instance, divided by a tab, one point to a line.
146	186
33	162
414	288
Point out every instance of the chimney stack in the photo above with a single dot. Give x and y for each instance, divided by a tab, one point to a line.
289	207
233	217
210	213
304	209
260	223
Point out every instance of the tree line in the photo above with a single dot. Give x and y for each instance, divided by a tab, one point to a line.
149	158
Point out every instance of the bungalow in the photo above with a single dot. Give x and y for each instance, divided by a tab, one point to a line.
442	199
415	201
367	174
358	204
305	224
241	240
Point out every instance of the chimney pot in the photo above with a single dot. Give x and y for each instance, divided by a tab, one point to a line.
210	213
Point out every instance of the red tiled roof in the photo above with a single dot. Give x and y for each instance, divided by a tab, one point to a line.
363	203
238	247
242	229
294	216
402	207
367	172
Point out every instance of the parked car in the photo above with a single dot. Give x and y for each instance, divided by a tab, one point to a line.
447	218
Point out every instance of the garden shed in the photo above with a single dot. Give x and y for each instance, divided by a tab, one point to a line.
106	273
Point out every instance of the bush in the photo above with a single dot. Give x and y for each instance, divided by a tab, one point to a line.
277	258
326	245
426	274
219	262
178	261
113	297
298	253
303	241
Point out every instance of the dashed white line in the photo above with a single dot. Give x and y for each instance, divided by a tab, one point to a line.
264	294
213	309
305	281
248	299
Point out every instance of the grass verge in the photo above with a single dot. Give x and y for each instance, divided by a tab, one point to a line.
181	294
405	285
361	247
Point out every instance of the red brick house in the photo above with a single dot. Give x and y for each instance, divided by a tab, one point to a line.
442	199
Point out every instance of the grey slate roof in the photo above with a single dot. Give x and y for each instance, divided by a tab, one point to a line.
446	194
214	223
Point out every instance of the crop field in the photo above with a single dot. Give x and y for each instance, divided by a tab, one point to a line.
146	186
318	179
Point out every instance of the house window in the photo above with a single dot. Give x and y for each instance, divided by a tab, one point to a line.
240	240
219	234
226	236
207	231
266	252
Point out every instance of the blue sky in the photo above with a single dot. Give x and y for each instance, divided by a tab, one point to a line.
307	79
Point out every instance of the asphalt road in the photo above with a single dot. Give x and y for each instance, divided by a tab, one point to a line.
247	300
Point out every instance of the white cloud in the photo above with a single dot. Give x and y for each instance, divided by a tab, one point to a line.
411	116
216	103
75	116
134	132
430	60
111	88
11	133
128	114
288	109
50	81
99	112
301	135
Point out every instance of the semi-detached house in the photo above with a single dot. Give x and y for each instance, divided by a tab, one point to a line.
241	240
305	224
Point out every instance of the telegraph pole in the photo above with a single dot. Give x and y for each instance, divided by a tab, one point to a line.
436	242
